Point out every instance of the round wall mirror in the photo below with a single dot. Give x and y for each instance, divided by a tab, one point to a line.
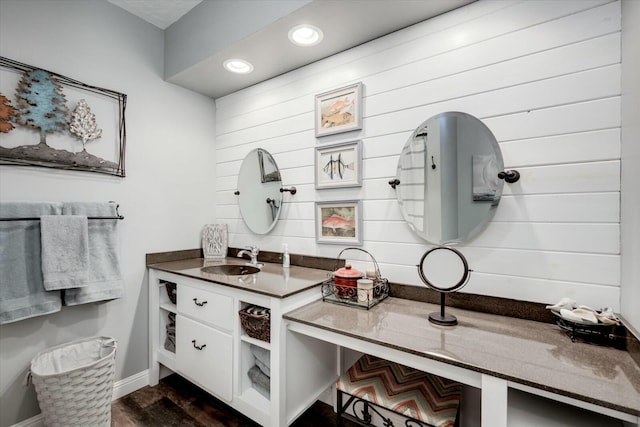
259	197
448	172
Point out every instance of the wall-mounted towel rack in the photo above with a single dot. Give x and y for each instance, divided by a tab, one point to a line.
116	216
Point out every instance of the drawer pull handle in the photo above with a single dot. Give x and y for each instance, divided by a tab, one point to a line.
200	304
198	347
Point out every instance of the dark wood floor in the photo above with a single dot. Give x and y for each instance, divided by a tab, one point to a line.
176	402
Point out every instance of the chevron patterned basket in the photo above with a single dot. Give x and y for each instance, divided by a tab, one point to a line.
74	382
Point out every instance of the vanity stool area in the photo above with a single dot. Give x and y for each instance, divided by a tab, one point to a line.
513	372
376	386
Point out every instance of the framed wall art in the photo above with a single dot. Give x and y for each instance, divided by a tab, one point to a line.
49	120
215	241
339	165
339	222
339	110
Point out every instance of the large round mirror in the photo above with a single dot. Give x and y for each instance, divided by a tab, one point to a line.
259	197
448	172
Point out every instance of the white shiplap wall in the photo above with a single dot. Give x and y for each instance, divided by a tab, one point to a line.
544	76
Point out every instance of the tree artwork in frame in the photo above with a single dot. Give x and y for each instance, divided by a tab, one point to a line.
49	120
339	165
339	110
339	222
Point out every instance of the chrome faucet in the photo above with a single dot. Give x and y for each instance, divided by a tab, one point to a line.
253	252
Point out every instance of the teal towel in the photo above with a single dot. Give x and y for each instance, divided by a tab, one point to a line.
104	281
22	293
65	251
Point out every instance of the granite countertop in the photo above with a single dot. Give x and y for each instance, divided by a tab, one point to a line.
523	351
272	280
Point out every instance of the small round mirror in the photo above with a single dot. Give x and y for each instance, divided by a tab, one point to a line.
448	172
443	269
259	198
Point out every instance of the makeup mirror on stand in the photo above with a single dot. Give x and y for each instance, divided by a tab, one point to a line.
451	278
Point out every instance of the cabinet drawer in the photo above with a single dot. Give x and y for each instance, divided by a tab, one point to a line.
206	305
205	356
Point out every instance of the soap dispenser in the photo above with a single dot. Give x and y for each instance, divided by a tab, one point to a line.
285	257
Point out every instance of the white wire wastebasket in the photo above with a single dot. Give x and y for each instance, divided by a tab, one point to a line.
74	382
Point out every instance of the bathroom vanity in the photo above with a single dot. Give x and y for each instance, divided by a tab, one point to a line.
520	372
213	351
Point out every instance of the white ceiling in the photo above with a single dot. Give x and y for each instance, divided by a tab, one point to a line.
346	23
160	13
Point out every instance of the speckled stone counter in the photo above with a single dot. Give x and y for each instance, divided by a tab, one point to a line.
272	280
532	353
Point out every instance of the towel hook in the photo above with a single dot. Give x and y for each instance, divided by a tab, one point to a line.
118	212
118	216
291	190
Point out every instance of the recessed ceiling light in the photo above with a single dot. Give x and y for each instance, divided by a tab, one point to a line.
305	35
238	66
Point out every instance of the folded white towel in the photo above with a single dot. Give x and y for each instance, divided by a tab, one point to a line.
65	251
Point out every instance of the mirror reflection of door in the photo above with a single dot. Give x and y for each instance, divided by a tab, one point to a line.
441	189
260	199
448	170
449	179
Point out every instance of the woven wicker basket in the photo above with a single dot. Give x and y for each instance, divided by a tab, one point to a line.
74	382
172	291
257	326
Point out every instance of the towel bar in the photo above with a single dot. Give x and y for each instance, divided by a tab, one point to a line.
117	216
38	219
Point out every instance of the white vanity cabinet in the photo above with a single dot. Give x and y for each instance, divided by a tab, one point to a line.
214	352
204	340
204	355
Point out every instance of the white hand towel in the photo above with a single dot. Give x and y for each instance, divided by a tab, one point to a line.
65	251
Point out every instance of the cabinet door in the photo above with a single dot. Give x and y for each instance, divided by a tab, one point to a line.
205	356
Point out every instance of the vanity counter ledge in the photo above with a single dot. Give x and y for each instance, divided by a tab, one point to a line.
272	280
534	354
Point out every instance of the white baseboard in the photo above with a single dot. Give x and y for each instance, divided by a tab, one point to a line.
120	388
37	421
328	396
130	384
